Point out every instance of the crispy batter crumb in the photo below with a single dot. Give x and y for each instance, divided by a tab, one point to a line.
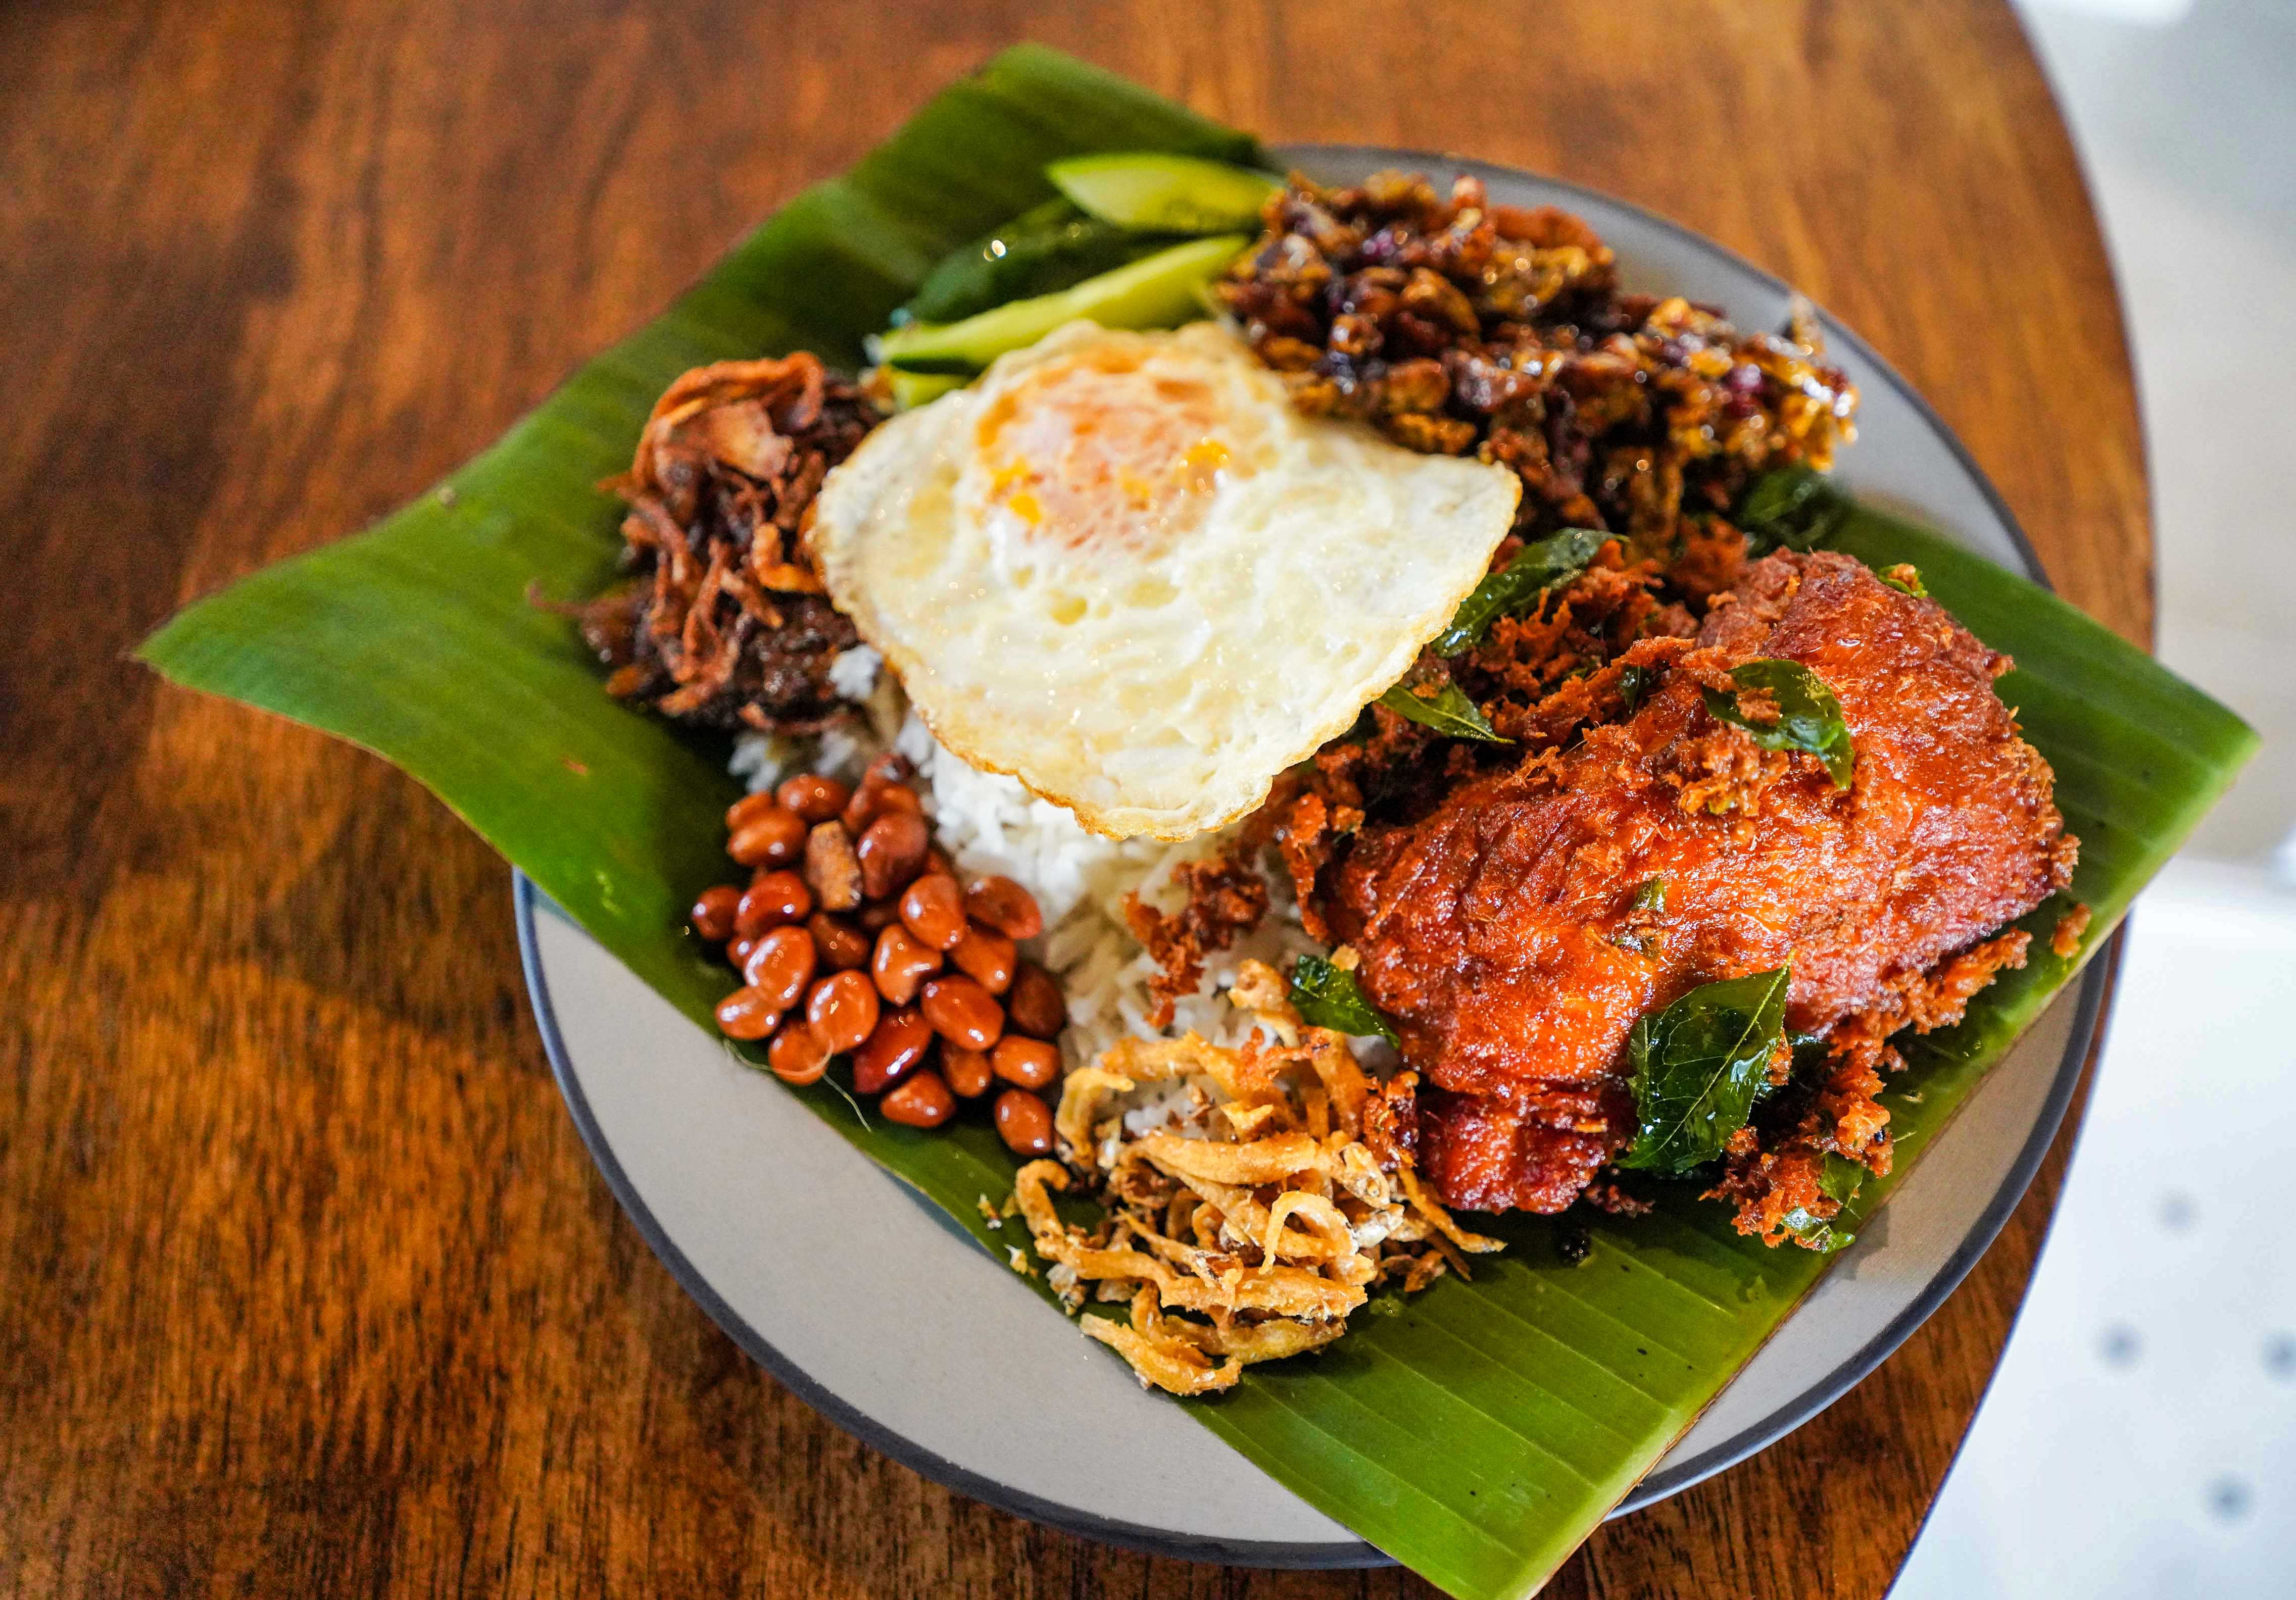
1610	1198
1713	560
1225	898
1771	1185
1724	771
1770	1178
2065	938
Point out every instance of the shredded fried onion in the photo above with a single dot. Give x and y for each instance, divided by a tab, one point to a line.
1252	1222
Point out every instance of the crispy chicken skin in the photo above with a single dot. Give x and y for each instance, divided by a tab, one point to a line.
1502	933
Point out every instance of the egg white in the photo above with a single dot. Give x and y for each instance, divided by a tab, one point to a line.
1124	568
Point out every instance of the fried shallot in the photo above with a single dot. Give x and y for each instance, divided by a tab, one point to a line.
722	622
1248	1212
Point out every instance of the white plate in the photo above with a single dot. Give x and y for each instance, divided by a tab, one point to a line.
735	1185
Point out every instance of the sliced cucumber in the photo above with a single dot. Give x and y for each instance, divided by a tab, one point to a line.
1173	194
913	389
1162	291
1042	250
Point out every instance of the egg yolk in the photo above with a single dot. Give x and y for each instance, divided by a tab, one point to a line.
1100	449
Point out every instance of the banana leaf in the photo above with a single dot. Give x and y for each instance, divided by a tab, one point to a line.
1479	1431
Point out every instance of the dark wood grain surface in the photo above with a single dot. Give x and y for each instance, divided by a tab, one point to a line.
306	1287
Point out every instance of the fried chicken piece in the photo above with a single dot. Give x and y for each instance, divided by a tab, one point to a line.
1582	656
1503	935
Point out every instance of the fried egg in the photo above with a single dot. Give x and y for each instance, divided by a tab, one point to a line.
1124	568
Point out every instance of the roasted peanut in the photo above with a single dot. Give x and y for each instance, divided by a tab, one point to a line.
890	800
1024	1123
812	796
1029	1063
1036	1004
772	839
745	1014
712	915
901	964
1005	906
747	810
842	946
881	788
891	849
861	810
900	1039
842	1009
934	909
987	955
923	1101
795	1055
780	965
961	1012
966	1071
771	900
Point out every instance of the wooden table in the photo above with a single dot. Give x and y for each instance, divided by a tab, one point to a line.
308	1285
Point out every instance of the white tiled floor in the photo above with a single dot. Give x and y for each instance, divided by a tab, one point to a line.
2140	1438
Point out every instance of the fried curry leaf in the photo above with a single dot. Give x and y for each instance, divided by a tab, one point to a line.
1838	1182
1809	716
1450	712
1637	935
1791	507
1816	1233
1810	1051
1537	567
1841	1179
1329	997
936	366
1698	1066
1633	684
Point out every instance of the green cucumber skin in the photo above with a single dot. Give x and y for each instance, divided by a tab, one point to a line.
1042	251
1154	193
913	389
1160	291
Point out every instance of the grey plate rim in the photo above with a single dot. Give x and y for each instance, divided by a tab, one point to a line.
2094	990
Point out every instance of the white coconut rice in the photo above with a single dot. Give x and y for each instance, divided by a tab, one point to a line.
990	824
